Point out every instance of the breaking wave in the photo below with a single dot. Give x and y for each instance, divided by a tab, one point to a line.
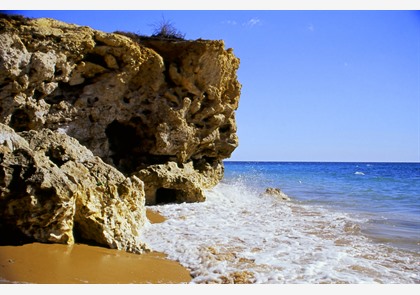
240	236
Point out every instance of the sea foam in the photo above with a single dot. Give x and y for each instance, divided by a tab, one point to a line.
238	235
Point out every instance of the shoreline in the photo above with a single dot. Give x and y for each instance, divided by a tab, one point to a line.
40	263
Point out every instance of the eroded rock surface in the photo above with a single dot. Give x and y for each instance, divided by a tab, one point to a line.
168	183
93	126
55	190
276	192
142	108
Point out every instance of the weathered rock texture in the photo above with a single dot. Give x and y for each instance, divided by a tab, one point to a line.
53	189
161	110
93	126
276	192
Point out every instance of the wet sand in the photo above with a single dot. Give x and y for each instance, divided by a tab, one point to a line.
39	263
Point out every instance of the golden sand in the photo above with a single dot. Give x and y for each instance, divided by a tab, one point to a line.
39	263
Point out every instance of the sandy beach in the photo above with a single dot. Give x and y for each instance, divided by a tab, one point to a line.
39	263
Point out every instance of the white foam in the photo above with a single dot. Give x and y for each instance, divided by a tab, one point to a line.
236	231
359	173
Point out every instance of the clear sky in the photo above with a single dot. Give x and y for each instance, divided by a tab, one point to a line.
317	85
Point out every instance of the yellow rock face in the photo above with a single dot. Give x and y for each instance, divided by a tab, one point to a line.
132	101
156	111
55	190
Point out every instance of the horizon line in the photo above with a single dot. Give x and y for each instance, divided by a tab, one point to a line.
314	161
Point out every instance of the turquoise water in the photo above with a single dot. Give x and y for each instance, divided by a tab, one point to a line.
386	194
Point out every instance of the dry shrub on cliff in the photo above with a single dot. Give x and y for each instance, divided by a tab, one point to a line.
166	29
161	30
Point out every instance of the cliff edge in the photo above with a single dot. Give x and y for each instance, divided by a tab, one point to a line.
154	112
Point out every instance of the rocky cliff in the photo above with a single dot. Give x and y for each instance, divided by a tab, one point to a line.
55	190
152	121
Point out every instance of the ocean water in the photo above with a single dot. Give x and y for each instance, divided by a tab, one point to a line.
346	223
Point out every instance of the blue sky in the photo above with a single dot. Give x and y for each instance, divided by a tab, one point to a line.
317	85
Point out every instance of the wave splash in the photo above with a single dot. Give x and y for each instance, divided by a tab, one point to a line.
240	236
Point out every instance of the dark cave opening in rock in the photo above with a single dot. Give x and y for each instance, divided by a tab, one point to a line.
130	143
122	140
11	235
20	121
80	239
167	195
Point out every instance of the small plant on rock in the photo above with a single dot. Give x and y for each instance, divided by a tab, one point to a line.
166	30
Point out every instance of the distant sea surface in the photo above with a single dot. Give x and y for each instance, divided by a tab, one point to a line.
346	223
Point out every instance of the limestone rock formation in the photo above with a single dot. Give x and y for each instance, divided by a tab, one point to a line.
52	189
276	192
146	107
168	183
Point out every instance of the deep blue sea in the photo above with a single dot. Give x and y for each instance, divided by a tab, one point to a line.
345	223
386	194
